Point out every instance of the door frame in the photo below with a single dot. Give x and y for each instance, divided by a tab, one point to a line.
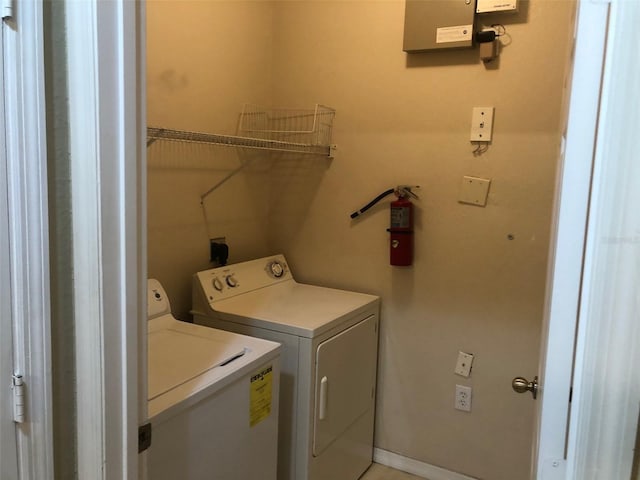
105	42
8	444
112	37
28	232
569	230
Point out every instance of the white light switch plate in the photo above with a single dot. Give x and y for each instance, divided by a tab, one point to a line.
463	366
474	190
481	124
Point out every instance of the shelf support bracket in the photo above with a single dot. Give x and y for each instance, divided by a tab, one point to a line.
221	182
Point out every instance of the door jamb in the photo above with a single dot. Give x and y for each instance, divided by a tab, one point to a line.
29	234
106	122
568	242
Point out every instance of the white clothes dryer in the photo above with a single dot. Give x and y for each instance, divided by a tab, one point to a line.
329	360
213	398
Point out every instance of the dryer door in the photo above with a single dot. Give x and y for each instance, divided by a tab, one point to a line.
344	381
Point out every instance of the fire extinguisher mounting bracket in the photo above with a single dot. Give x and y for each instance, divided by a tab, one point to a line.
402	191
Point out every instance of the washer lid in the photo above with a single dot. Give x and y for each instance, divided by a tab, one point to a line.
175	357
188	362
295	308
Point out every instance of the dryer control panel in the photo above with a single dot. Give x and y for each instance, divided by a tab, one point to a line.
230	280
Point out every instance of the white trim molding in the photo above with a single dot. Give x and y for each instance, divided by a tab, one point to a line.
84	146
28	233
567	244
8	444
606	394
415	467
107	185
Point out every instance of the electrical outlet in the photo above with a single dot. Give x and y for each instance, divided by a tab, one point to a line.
218	251
463	398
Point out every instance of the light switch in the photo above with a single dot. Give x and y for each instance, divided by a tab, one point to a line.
474	190
463	366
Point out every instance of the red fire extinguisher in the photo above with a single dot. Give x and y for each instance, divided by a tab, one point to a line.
401	225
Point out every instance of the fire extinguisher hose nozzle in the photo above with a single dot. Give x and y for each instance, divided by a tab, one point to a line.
372	203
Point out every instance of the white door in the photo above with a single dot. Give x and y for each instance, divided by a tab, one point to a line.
8	453
606	393
596	169
564	280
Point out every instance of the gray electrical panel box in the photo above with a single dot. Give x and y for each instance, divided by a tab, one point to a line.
438	24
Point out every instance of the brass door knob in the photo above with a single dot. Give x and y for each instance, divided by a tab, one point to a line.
522	385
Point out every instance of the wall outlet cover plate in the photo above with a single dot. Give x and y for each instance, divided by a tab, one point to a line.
481	124
463	398
474	190
463	365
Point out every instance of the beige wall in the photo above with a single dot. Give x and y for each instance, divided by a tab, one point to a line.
400	119
205	59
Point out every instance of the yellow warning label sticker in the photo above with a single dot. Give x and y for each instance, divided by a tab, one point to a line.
260	395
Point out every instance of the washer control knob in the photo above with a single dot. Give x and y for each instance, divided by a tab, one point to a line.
231	281
217	284
276	269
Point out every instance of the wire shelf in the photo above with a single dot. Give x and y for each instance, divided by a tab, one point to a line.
279	130
154	133
309	127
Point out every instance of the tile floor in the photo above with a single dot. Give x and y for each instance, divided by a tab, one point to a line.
380	472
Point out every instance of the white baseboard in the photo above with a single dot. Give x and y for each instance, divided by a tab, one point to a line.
415	467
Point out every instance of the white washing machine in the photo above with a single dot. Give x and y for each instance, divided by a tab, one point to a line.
329	359
213	399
